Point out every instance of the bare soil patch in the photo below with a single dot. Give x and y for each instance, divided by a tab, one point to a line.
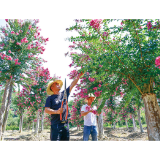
118	134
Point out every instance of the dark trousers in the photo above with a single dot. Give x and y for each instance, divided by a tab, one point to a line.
59	132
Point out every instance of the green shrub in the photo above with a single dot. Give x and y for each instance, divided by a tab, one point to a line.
12	127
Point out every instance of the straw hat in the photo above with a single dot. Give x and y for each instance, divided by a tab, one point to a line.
91	95
49	91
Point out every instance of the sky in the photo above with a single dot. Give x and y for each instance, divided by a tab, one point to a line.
56	47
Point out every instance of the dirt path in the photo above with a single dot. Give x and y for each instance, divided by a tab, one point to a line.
120	134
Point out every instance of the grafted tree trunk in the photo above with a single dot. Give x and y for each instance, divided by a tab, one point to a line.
3	107
152	114
7	107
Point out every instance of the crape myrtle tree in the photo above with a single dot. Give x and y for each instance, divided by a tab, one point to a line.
20	45
35	96
36	88
128	50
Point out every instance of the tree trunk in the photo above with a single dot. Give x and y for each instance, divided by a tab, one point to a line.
7	107
139	120
113	124
97	126
42	122
126	123
33	126
21	123
3	107
28	126
152	114
77	127
100	122
37	125
100	125
134	124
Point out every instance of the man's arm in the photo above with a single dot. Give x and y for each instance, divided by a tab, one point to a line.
85	113
74	82
51	111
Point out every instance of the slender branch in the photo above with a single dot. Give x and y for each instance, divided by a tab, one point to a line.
135	84
131	80
132	61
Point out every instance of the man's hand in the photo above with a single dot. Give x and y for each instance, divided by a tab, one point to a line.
91	110
59	111
51	111
75	82
81	74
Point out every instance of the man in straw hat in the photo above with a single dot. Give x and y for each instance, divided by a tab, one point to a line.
89	114
59	129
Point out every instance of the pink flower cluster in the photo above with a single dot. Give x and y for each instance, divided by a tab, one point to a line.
121	94
2	45
30	26
98	93
29	46
16	62
18	43
105	34
124	81
149	25
157	62
88	108
91	79
94	112
5	56
95	23
73	74
82	92
71	64
95	88
73	111
24	40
